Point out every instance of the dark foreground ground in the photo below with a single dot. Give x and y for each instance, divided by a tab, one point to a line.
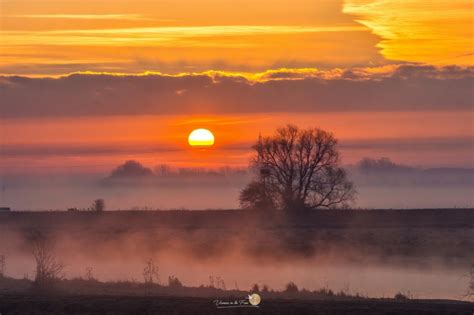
34	304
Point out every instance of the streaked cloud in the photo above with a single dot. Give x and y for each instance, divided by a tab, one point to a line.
435	32
174	36
57	37
81	16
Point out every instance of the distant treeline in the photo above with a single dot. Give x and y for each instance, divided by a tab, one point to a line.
367	171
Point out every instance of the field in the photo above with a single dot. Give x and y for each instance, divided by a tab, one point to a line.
445	234
236	243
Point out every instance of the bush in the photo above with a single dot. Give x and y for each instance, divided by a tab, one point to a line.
400	296
291	287
3	265
98	205
173	282
48	267
150	272
255	288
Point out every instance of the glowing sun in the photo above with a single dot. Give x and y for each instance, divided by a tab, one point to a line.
201	138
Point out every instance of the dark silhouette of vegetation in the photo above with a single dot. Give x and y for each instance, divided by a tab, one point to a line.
297	169
131	168
48	267
89	276
368	165
174	282
400	296
3	265
255	288
98	205
470	289
291	287
150	272
217	282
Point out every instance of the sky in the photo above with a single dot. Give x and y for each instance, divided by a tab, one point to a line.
86	85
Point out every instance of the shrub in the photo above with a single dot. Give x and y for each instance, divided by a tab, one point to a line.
400	296
98	205
255	288
174	282
3	264
291	287
48	267
150	272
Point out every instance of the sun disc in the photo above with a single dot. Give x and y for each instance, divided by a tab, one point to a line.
201	138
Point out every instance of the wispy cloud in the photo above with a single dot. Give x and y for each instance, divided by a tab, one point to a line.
436	32
173	36
135	17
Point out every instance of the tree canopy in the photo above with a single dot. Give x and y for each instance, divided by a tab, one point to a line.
297	169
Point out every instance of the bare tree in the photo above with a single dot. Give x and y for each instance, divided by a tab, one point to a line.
48	267
150	272
297	169
98	205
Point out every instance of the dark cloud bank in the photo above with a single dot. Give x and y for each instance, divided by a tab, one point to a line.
405	87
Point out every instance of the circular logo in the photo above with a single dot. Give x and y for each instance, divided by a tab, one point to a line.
255	299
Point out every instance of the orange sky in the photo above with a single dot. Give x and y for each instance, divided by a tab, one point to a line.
55	37
98	144
384	75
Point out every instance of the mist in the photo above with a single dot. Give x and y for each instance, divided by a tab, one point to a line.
380	183
374	253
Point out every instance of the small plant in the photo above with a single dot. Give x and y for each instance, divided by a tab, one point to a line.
470	289
217	283
400	296
173	282
89	276
150	272
255	288
291	287
220	283
3	264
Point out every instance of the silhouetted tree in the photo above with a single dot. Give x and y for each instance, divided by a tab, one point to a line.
98	205
297	169
131	168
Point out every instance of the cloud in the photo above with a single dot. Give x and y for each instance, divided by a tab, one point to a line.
388	88
163	36
81	16
110	149
438	32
